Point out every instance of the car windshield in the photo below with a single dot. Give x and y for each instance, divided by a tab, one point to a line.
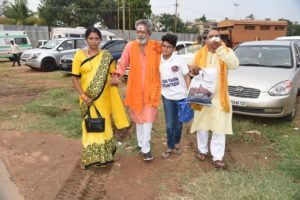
264	56
51	44
189	49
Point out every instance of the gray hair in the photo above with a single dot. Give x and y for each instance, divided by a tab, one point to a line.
144	22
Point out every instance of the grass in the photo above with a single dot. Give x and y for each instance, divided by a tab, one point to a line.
56	110
278	182
238	184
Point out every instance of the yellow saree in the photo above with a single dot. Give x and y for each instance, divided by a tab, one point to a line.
94	72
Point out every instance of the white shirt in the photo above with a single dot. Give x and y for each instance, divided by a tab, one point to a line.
172	71
14	48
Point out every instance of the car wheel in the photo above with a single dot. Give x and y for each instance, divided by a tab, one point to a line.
48	64
292	115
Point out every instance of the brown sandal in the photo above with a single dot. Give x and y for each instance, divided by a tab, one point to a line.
166	154
219	164
177	150
201	156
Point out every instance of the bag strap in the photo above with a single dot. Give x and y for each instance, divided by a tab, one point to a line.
97	111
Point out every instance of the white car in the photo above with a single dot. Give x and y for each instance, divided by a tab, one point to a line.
48	56
188	52
290	38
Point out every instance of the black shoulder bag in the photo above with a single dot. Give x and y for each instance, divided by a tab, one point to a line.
94	125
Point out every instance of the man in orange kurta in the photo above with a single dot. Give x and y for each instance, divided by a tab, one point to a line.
143	86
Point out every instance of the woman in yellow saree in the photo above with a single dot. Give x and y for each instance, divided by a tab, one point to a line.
91	74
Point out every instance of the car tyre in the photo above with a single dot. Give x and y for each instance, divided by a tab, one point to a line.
292	115
48	64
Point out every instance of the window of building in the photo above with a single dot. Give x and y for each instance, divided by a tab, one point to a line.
279	28
249	27
264	27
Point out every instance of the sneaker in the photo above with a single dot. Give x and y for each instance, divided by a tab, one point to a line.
148	156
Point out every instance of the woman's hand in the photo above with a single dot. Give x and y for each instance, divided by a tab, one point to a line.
88	101
115	80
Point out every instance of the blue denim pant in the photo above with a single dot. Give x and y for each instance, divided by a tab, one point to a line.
174	126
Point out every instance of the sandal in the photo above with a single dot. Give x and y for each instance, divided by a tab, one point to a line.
219	164
166	154
201	156
177	150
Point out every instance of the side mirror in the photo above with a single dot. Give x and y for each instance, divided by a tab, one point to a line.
60	48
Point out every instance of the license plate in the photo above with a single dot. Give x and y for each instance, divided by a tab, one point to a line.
238	103
64	65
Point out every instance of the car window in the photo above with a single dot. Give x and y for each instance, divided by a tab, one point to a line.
68	45
297	49
51	44
117	47
21	41
189	49
178	47
80	44
264	56
193	48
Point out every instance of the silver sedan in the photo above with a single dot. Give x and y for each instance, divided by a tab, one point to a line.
267	81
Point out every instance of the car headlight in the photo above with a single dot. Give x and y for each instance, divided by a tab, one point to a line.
35	56
281	89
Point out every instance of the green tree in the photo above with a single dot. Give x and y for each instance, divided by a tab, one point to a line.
251	16
19	12
293	28
202	19
78	12
139	9
167	21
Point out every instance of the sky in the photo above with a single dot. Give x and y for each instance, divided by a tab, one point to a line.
188	10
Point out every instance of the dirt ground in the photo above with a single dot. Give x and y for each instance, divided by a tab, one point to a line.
45	166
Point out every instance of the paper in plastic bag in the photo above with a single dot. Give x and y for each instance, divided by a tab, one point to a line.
202	87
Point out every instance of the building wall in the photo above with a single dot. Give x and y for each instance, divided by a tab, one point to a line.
263	30
239	34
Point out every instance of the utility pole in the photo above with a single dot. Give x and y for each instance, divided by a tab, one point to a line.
175	20
236	9
129	19
123	32
118	15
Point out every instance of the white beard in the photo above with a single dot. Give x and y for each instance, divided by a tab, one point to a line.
141	41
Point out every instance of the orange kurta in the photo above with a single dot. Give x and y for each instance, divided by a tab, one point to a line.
143	86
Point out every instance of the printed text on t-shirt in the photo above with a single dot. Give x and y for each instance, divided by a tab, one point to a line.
172	82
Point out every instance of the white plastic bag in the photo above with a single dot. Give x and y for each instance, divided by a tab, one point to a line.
202	87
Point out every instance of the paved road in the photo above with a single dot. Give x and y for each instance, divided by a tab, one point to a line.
8	190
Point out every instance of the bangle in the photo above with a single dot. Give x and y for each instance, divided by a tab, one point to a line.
83	96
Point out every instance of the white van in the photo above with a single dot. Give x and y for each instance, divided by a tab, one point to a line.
79	33
20	38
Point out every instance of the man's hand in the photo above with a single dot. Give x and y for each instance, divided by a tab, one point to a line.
115	80
213	44
195	70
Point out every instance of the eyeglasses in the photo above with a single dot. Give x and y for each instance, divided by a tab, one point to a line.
167	46
210	36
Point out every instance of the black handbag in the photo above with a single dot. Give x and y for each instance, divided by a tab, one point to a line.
93	125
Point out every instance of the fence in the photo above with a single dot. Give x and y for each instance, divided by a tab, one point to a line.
36	33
